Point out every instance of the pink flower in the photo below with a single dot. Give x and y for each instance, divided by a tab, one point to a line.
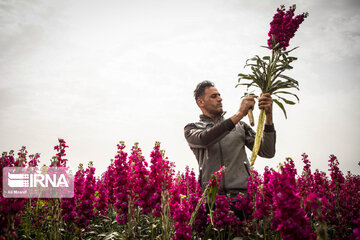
85	210
139	180
181	218
160	177
58	160
289	218
283	27
121	185
101	202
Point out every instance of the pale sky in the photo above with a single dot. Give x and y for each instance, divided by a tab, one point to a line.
97	72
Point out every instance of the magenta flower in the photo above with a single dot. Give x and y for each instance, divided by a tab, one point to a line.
85	210
161	176
68	209
306	181
289	218
10	207
139	180
121	185
283	27
109	180
34	160
186	185
101	202
58	160
22	158
264	197
223	217
181	218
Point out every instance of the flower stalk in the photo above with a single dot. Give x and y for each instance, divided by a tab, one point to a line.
267	72
258	137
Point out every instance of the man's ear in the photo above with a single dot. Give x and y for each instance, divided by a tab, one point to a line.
200	102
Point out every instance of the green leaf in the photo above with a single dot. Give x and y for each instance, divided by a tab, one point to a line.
249	77
242	75
281	106
286	101
266	58
289	79
287	52
284	92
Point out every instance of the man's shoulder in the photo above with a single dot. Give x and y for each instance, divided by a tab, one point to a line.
200	125
203	123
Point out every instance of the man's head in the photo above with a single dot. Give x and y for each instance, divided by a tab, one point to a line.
208	99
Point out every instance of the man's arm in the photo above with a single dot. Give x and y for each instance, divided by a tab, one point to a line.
201	138
268	141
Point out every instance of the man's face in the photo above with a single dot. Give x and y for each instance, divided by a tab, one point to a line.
211	101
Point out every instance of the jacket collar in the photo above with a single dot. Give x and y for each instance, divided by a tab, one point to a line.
206	118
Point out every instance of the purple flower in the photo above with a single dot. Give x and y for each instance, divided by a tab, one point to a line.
139	180
283	27
34	160
121	185
223	217
101	202
58	160
161	176
109	179
85	210
288	218
181	216
186	186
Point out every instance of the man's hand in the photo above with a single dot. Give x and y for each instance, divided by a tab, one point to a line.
246	104
265	102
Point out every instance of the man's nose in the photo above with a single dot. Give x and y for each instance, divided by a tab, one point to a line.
219	99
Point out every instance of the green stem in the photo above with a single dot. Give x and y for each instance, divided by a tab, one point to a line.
258	137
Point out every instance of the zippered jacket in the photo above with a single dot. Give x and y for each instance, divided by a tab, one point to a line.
223	144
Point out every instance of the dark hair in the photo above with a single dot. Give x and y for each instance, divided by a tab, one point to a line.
200	88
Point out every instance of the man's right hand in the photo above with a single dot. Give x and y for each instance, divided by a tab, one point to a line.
246	104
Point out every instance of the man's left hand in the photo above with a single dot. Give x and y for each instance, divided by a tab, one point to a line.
265	102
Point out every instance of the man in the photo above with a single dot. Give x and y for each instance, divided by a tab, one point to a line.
218	142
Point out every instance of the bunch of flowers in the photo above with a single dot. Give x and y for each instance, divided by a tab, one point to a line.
267	72
283	27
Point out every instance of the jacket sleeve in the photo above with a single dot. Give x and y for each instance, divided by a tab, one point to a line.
202	137
267	146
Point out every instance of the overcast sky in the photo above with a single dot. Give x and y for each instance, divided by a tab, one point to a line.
97	72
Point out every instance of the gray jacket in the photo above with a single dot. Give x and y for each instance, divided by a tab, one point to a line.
223	144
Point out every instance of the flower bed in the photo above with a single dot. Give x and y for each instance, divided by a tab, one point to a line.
137	200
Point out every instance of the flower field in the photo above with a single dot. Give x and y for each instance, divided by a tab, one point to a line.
136	199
